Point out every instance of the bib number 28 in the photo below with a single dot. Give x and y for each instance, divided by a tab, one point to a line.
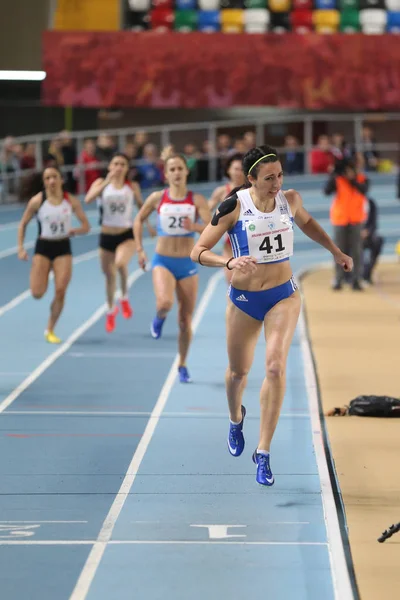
266	245
176	222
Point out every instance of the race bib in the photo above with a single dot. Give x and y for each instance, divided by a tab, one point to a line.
270	240
172	218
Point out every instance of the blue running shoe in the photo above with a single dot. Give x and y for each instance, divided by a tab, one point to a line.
156	327
264	474
236	438
184	376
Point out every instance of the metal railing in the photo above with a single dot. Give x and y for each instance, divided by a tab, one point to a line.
9	182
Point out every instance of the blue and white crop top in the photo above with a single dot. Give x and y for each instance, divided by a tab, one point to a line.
266	236
171	214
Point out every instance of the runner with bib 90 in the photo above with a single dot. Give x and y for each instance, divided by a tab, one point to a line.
259	220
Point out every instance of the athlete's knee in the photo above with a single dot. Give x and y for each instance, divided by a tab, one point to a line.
238	374
164	305
275	368
37	294
121	265
185	323
60	292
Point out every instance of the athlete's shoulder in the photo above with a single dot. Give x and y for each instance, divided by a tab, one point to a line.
37	200
226	207
292	196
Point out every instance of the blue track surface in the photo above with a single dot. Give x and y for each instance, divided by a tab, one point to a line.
104	455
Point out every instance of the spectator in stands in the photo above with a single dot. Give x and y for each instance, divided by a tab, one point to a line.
368	149
105	150
149	168
372	242
69	154
322	159
348	214
89	160
224	145
55	150
339	147
140	141
294	160
249	140
28	159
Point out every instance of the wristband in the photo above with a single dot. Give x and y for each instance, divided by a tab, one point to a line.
227	264
198	258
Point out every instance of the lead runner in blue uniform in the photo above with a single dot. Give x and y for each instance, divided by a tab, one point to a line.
263	294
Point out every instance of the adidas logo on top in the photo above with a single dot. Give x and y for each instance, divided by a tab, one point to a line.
242	298
248	212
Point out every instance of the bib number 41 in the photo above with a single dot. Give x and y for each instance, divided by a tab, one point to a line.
267	247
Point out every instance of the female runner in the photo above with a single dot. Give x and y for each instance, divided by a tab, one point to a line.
259	220
173	270
53	209
116	198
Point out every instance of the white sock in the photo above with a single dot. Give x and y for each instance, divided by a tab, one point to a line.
233	422
124	297
263	452
111	310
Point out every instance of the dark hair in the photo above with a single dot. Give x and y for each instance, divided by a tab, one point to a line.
231	160
33	184
121	155
255	155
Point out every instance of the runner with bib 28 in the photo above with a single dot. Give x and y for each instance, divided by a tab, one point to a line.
258	218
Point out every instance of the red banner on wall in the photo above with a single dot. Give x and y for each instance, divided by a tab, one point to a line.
199	70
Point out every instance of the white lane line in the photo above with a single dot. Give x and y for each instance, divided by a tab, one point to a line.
96	554
62	349
44	522
119	355
27	293
14	249
340	574
137	413
149	542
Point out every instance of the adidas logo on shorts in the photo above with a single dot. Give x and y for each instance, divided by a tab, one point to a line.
242	298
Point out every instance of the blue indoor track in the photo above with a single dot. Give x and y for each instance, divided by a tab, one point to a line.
116	482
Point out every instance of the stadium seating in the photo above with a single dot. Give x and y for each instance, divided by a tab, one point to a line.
235	16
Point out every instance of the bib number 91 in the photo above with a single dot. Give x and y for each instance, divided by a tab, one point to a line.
57	227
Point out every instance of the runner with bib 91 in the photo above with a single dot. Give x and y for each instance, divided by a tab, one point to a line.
259	220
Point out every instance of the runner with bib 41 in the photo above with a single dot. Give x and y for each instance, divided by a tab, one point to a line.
258	218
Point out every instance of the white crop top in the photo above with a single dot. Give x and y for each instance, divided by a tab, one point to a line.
54	220
116	206
266	236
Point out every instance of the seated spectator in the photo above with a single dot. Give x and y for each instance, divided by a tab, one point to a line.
294	160
322	158
89	160
372	242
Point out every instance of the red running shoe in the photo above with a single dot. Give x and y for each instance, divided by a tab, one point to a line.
126	308
110	320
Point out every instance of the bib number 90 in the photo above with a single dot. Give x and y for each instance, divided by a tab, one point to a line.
117	207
